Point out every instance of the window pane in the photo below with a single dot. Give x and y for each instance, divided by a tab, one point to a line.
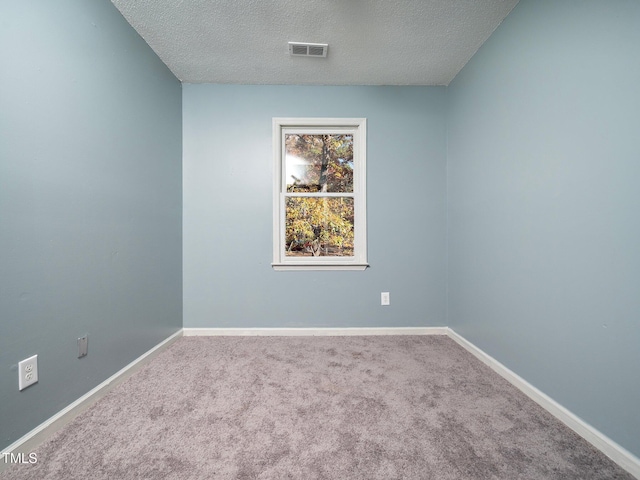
319	163
319	227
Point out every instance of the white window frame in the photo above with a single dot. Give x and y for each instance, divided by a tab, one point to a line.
358	128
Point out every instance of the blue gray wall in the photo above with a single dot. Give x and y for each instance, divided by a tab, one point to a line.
544	205
228	278
90	201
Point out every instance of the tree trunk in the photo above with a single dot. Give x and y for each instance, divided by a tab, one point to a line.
325	163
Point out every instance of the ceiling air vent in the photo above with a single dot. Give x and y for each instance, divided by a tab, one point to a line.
299	49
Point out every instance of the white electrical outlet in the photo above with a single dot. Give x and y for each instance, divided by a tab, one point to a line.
28	372
384	298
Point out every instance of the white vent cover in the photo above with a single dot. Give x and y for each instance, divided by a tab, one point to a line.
300	49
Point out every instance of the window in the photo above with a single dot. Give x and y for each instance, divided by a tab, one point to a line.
319	210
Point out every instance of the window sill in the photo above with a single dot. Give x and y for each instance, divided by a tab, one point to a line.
318	266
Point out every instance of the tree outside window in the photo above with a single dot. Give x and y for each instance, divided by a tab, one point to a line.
319	213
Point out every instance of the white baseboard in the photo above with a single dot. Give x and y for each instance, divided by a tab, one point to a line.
314	332
611	449
28	442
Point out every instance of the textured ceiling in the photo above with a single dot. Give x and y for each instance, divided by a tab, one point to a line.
371	42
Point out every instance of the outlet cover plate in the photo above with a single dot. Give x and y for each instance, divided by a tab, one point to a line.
384	298
83	346
28	372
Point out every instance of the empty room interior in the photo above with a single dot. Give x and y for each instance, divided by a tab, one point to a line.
493	257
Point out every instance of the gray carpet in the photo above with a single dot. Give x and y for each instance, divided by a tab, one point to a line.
399	407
